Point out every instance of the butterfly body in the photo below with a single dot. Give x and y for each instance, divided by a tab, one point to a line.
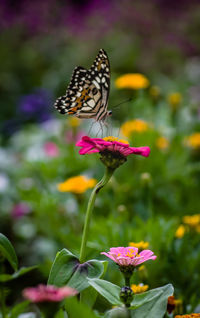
88	91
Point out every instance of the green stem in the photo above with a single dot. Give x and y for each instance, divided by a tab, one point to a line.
2	300
127	281
107	175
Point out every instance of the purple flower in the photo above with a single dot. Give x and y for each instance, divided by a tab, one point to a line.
19	210
36	105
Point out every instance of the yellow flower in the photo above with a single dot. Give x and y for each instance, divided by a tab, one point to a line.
132	81
74	122
193	141
78	184
180	231
162	143
188	316
137	289
192	220
174	99
198	228
140	245
154	91
136	125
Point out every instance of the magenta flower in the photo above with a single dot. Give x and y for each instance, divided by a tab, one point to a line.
48	293
128	256
19	210
51	149
90	145
113	150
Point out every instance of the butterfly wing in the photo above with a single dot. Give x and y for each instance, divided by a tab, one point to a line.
87	93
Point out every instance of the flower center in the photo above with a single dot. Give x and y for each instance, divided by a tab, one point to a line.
131	253
111	138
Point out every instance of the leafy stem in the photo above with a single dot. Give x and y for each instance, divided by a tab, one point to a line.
107	175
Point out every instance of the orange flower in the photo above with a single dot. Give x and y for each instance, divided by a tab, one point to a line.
132	81
188	316
162	143
180	232
78	184
174	99
193	141
173	303
135	125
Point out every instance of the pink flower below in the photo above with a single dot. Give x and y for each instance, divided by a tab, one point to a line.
50	293
90	145
126	256
51	149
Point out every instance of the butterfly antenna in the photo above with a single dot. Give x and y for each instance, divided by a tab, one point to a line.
125	101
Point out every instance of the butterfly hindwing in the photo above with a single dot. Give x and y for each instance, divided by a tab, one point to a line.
87	93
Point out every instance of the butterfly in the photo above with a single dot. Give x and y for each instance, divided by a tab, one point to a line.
88	91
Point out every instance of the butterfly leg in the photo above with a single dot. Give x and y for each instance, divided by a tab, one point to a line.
90	129
99	130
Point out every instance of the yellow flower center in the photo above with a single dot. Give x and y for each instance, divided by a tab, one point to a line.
131	253
111	138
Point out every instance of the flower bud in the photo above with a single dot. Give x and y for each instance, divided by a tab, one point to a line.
126	295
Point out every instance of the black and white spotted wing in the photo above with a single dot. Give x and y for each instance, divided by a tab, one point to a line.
88	91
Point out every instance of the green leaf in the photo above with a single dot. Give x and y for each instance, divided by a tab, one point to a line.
90	269
20	272
8	251
66	270
118	312
18	309
106	289
62	268
76	309
89	295
61	314
153	302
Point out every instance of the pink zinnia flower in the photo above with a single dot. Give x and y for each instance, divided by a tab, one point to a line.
113	150
48	293
51	149
128	256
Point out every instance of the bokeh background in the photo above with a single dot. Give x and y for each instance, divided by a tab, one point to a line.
156	199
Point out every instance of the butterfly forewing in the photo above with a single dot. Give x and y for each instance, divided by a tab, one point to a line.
87	93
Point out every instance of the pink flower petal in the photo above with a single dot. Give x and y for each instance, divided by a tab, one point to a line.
125	256
91	145
48	293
